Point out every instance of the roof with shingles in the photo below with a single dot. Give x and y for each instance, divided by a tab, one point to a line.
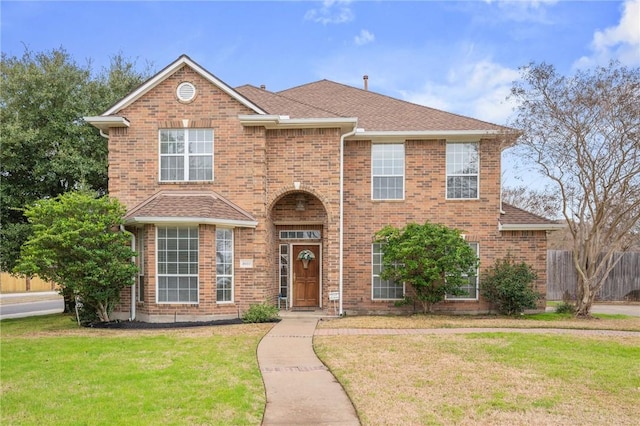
516	216
377	112
276	104
203	207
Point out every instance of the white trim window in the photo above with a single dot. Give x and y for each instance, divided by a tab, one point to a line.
387	171
284	270
382	289
186	155
140	261
177	262
224	265
471	288
463	165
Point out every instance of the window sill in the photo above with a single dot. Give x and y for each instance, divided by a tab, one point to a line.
185	182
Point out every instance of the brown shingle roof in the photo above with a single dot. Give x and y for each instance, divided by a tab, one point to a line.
275	104
514	217
378	112
200	207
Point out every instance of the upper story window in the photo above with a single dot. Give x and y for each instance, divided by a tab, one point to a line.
186	155
463	164
387	171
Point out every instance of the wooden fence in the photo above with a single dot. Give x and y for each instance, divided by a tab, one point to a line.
623	279
12	284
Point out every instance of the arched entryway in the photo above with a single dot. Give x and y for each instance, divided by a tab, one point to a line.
299	221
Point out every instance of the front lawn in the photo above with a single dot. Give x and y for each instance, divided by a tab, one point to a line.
505	378
55	373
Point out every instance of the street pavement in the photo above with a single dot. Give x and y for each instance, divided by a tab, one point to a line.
21	305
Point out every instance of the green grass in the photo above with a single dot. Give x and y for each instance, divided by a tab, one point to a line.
553	316
487	378
54	373
605	366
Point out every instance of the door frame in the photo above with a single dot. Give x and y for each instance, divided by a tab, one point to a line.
291	260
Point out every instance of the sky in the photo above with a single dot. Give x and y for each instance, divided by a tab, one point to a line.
459	56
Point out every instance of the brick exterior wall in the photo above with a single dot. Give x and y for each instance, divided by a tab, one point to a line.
263	171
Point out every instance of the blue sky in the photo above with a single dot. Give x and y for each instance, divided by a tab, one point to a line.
458	56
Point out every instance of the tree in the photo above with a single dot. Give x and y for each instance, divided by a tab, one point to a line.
77	243
542	202
432	258
509	286
47	149
582	132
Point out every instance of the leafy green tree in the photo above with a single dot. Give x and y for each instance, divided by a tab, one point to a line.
47	149
77	242
509	286
583	133
432	258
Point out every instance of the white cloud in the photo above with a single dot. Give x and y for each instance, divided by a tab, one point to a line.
364	37
331	12
522	10
476	89
621	42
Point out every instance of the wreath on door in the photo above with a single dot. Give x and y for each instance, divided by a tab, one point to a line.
305	256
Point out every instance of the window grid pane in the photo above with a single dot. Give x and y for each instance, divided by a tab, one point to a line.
382	289
177	264
224	265
471	289
186	148
387	169
462	170
284	270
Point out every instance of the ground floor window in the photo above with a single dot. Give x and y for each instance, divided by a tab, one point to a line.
383	289
470	289
224	265
140	242
177	260
284	270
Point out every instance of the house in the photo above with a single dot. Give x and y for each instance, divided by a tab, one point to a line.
228	191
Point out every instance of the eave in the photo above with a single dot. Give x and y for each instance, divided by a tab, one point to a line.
284	122
449	135
530	227
191	220
104	123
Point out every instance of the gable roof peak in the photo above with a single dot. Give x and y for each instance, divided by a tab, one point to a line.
166	72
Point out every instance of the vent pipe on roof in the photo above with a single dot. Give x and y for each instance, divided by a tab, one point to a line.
263	87
366	82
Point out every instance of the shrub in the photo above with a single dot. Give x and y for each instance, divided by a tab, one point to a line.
508	286
566	308
264	312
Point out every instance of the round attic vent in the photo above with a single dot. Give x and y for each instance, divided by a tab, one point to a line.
186	92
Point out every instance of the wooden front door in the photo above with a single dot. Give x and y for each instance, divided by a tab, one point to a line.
306	278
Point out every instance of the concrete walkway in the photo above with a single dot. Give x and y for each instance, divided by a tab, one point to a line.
300	389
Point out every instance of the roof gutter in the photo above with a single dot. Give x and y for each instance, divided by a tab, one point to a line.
341	243
191	220
530	227
450	135
105	123
285	122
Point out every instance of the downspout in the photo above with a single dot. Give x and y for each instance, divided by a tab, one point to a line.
341	243
132	310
